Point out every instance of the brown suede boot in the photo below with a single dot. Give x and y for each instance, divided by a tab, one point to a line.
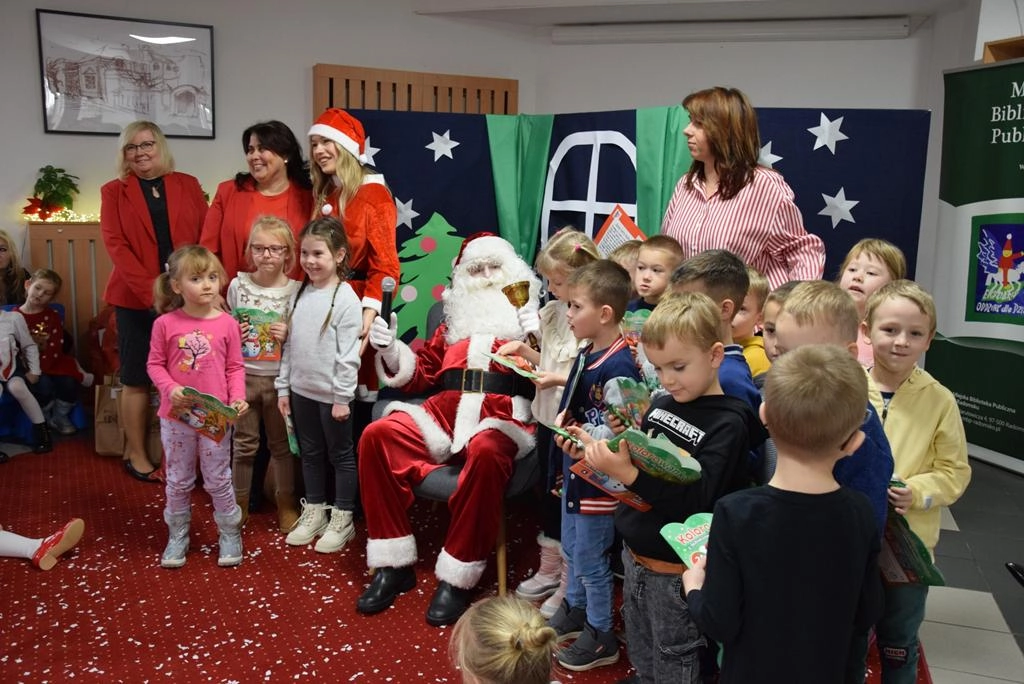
287	512
243	503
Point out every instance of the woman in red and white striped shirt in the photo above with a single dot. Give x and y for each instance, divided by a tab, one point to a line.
727	201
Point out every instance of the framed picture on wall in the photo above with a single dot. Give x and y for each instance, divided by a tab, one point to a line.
101	73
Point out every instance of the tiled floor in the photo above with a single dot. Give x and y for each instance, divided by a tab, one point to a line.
974	627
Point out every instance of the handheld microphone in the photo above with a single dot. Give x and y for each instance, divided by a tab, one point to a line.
387	285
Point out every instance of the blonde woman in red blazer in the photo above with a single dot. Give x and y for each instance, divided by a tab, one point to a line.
145	214
277	184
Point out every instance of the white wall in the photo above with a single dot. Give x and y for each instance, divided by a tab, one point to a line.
265	50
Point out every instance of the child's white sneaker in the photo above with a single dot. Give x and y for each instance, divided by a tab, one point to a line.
312	524
339	531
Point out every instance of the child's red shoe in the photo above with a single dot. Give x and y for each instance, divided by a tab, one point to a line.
58	543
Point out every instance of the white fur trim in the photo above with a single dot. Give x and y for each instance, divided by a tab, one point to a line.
461	574
398	552
406	366
547	541
373	178
467	416
439	445
371	303
521	409
523	439
345	142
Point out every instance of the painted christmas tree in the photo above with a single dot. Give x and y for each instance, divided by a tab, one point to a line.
426	267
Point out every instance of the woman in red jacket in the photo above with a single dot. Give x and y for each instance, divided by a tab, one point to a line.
277	184
146	213
345	186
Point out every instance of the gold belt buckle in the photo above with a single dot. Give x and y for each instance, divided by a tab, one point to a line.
472	380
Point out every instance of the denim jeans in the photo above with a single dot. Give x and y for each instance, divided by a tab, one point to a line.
897	632
585	543
664	642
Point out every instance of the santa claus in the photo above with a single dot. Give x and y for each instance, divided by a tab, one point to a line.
478	413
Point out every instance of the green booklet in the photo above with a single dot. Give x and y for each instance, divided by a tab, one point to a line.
293	439
517	363
904	559
657	456
632	324
258	344
689	539
207	414
627	399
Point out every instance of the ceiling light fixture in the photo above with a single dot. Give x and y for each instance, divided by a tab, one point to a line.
870	28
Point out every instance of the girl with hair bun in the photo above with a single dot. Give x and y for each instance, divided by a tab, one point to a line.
503	640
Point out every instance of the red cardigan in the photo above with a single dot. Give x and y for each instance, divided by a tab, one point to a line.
228	223
130	238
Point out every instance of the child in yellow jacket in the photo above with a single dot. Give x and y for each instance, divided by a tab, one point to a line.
922	421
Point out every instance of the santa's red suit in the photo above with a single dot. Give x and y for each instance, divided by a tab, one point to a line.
480	416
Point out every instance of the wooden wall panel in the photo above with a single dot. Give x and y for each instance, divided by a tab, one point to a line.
351	87
76	252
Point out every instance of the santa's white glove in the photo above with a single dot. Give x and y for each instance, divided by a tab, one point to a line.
382	338
529	317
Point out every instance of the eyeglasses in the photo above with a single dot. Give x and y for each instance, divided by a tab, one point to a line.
147	147
275	250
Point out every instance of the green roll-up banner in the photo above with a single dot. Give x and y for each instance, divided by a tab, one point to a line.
979	290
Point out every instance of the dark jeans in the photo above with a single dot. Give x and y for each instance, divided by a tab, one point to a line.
664	642
323	442
50	387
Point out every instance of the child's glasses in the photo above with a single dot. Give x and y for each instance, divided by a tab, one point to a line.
275	250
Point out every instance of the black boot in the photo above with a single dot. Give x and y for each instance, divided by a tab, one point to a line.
448	604
41	434
385	587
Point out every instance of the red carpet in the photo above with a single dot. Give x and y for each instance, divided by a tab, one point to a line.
109	613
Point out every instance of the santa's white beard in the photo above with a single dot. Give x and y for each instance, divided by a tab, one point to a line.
478	306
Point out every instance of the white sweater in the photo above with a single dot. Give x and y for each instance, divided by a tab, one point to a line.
322	366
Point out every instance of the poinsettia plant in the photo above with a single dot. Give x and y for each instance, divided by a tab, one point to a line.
55	189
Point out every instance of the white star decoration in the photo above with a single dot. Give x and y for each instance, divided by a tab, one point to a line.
405	213
442	145
827	133
838	208
767	158
369	151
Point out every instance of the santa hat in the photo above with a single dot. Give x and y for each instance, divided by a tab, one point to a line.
1008	246
343	128
484	245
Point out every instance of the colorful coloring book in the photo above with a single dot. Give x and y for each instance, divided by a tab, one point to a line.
689	539
208	415
657	456
904	559
516	363
627	399
257	342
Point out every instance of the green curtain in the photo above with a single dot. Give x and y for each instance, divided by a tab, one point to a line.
519	161
661	159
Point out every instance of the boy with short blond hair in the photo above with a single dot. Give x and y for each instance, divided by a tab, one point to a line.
657	258
922	421
745	323
598	295
722	275
682	341
744	595
819	312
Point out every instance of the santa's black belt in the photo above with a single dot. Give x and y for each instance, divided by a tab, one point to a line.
476	380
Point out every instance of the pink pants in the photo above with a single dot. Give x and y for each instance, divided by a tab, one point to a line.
182	447
393	459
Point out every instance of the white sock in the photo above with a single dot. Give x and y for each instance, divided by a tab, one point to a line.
15	546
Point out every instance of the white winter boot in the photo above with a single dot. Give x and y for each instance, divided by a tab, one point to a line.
339	530
544	582
311	525
550	606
